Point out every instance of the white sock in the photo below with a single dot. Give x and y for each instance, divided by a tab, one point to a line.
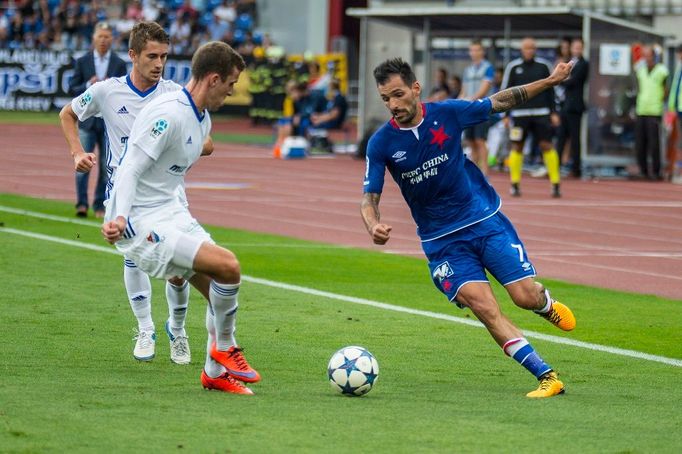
548	304
223	298
178	298
212	368
139	290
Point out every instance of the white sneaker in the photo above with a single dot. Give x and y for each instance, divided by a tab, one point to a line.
540	172
145	345
179	347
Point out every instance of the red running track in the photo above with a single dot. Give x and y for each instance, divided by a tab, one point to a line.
615	234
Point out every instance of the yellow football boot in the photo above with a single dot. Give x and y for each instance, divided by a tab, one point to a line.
560	316
550	385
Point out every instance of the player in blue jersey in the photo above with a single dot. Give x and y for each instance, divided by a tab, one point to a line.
456	210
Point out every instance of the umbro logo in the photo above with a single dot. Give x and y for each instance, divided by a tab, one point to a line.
189	141
399	154
122	110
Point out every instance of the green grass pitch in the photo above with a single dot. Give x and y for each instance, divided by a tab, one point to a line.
69	382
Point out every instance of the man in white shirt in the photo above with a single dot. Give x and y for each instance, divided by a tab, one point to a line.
118	101
147	223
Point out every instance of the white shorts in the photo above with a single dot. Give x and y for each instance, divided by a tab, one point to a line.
165	240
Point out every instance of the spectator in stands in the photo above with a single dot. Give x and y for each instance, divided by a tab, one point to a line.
441	89
134	11
573	106
187	9
305	104
477	84
332	117
4	28
651	91
226	11
69	14
455	86
334	113
180	33
218	28
675	99
94	66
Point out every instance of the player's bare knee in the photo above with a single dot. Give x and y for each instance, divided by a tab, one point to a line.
228	269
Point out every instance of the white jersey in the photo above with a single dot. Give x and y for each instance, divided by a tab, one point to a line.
171	131
118	102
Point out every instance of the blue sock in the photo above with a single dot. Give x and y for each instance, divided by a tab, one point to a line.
524	354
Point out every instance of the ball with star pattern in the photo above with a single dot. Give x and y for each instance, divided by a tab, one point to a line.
353	371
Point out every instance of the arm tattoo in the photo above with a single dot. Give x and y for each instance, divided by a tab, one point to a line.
370	209
509	98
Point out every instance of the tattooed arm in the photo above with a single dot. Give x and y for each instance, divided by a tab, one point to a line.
369	208
514	96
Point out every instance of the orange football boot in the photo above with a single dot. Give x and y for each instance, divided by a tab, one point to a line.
224	383
233	360
560	316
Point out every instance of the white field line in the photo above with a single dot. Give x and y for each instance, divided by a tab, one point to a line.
379	305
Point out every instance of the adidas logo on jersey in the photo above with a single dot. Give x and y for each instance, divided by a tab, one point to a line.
122	110
189	141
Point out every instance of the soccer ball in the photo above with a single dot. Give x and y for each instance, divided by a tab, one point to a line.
353	371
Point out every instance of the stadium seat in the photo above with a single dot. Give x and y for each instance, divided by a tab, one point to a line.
244	22
212	4
205	18
238	36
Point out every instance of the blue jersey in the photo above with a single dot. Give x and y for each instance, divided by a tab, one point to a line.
444	190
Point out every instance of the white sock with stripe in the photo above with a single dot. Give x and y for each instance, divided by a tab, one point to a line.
223	298
139	289
178	299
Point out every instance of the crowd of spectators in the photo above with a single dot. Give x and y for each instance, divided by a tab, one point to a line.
69	24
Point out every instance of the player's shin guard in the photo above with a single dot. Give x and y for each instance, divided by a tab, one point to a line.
524	354
139	290
551	160
515	166
223	298
178	299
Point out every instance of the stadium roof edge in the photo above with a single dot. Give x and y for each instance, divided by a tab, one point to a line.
441	17
454	11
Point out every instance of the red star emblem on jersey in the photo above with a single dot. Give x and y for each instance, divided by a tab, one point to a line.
439	136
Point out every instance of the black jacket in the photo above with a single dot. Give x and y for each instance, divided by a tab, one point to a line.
575	99
84	69
521	72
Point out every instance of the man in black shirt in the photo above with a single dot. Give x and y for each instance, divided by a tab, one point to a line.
535	116
574	106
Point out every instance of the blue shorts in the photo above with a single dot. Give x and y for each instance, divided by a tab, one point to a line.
465	255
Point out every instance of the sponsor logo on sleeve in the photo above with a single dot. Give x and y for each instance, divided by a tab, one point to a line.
159	127
85	99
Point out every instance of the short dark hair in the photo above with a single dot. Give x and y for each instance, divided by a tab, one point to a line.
679	47
393	66
143	32
216	57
